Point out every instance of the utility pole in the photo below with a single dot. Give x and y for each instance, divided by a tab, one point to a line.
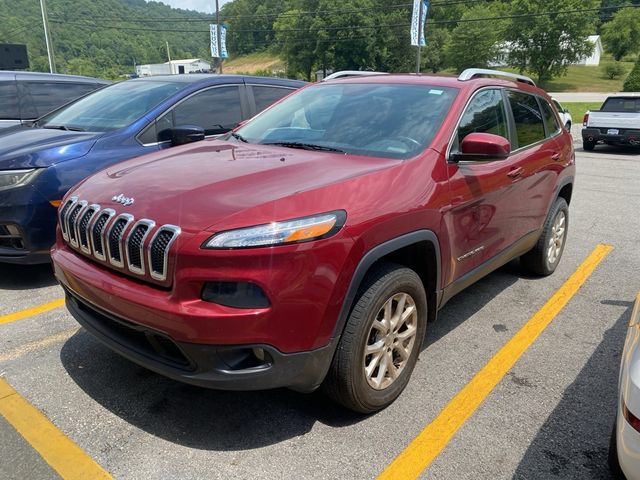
47	36
420	30
219	37
168	53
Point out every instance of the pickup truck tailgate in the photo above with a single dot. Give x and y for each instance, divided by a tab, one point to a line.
621	120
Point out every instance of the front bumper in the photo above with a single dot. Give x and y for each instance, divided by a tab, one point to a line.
624	137
26	210
224	367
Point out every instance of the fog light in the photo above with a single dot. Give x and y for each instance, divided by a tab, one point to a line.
235	294
259	354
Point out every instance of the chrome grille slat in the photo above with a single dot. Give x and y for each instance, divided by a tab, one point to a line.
82	227
74	213
134	246
97	229
118	239
113	239
158	251
62	216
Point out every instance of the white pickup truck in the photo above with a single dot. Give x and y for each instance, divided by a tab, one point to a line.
616	123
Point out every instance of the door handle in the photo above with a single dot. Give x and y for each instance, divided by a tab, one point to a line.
555	157
515	172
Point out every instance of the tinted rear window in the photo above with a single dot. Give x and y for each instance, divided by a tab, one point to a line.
628	105
9	101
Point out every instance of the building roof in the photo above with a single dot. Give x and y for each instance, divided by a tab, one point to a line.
188	60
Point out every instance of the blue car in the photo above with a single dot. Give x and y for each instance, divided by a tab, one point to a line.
40	161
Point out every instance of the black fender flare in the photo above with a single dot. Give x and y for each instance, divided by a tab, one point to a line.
561	184
372	256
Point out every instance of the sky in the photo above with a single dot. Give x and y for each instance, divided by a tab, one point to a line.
200	5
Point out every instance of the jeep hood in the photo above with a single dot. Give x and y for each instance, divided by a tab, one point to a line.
25	147
199	185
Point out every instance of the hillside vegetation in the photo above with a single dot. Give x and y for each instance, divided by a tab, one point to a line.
104	37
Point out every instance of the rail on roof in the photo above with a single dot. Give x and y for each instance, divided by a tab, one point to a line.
471	73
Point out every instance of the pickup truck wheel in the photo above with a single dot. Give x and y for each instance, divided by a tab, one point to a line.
567	126
545	256
381	340
588	145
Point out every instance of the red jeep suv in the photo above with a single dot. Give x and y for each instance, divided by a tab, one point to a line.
313	245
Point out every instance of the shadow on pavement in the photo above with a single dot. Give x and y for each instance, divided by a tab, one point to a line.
25	277
472	299
573	442
193	416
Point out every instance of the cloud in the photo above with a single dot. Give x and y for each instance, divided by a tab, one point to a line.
198	5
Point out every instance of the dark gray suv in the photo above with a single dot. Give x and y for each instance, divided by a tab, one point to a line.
26	96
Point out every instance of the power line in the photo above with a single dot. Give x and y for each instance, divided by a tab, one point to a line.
311	30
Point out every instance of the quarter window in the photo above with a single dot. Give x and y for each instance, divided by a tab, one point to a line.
485	114
549	118
527	117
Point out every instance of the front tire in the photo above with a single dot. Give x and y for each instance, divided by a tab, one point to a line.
545	256
381	340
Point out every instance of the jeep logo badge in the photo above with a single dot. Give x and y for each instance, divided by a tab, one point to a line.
126	201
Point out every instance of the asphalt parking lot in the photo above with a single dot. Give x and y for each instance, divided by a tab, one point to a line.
549	416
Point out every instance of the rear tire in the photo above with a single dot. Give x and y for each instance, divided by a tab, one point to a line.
545	256
388	320
588	145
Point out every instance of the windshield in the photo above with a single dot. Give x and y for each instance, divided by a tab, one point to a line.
113	107
382	120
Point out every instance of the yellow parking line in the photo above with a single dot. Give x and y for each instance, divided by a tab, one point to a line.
12	317
64	456
419	454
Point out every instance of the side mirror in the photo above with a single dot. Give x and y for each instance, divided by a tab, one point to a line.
482	147
182	134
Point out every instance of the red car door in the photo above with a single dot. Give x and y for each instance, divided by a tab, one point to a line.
478	218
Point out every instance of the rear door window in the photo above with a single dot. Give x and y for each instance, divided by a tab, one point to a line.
48	96
266	96
484	114
9	101
217	110
527	117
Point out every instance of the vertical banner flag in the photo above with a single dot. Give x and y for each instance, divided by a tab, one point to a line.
417	22
214	41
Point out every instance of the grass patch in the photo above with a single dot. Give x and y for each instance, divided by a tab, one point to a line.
256	62
578	109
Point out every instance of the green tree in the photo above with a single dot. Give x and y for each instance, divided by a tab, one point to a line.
632	83
476	44
621	35
433	56
546	45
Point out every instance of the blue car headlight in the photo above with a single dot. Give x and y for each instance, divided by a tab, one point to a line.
16	178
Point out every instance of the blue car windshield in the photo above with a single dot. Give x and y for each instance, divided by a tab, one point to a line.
113	107
373	119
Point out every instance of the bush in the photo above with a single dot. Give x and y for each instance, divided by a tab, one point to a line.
632	83
613	70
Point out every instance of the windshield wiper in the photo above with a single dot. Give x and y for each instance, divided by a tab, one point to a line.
64	127
239	137
305	146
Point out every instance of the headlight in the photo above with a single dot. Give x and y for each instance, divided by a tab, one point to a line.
16	178
280	233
